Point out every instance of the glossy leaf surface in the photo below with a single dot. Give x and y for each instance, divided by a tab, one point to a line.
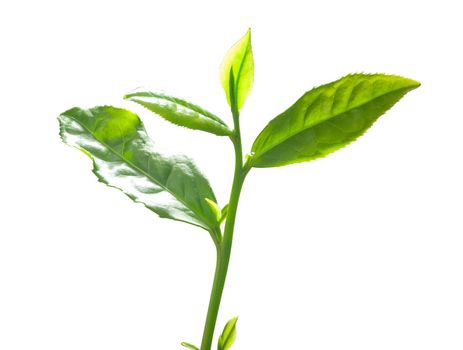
125	158
180	112
327	118
238	62
228	336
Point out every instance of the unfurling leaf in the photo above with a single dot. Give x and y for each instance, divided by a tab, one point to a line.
189	346
228	336
238	63
327	118
224	213
180	112
124	157
215	208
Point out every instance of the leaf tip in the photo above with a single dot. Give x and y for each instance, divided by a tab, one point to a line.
415	83
410	83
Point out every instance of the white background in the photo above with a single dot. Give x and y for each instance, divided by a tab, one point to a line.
361	250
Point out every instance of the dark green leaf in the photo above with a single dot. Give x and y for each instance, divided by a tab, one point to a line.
125	158
327	118
180	112
228	336
190	346
238	63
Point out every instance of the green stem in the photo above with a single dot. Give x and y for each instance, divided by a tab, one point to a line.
224	248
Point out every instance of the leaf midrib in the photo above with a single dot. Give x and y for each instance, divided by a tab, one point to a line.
323	121
140	170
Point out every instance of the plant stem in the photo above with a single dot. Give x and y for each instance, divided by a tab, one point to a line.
224	249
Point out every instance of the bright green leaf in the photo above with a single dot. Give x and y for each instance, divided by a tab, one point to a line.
180	112
189	346
215	208
239	63
327	118
228	336
124	157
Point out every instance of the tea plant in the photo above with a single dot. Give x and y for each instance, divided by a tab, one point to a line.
322	121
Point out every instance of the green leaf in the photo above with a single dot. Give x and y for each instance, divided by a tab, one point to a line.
220	214
190	346
239	63
180	112
327	118
224	213
215	208
228	336
124	157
